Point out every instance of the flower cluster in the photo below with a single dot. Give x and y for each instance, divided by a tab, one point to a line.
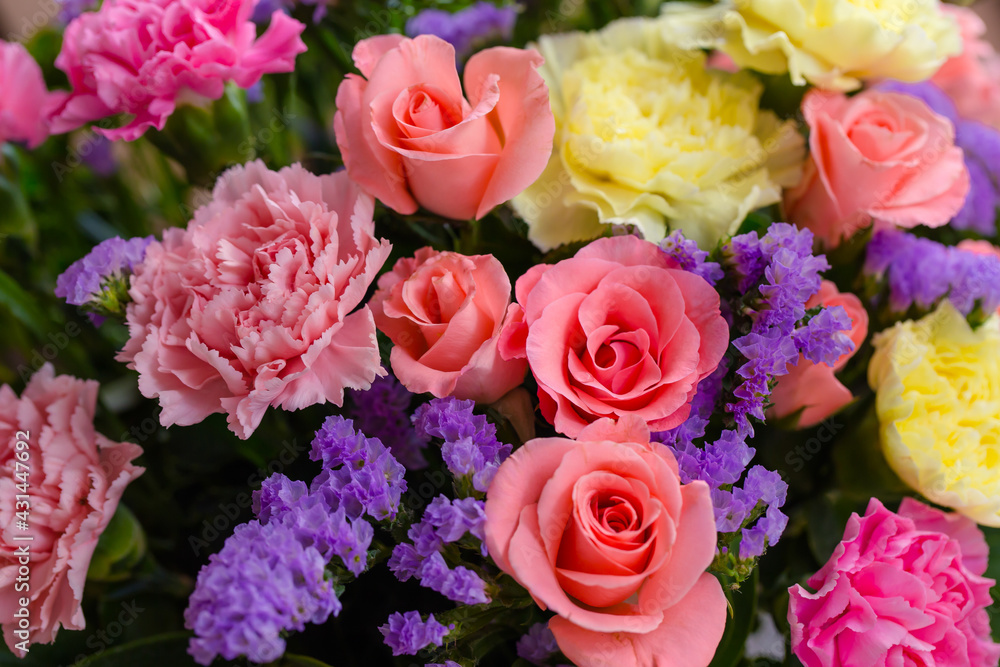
467	29
919	273
383	413
471	449
100	279
276	574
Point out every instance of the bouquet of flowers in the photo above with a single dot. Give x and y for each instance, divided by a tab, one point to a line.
535	332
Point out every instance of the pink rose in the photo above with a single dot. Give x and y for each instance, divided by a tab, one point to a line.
616	330
876	156
814	388
443	312
75	478
256	303
410	138
142	57
972	78
602	533
25	100
900	589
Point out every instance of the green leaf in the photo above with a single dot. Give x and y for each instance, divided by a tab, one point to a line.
743	605
169	649
121	546
22	306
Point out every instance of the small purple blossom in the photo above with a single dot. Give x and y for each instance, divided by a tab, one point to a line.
691	258
408	634
458	584
467	29
73	8
360	474
383	412
314	522
404	561
470	448
99	278
261	584
920	272
452	519
538	645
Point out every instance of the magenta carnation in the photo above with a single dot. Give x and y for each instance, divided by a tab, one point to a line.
141	57
256	303
900	589
25	99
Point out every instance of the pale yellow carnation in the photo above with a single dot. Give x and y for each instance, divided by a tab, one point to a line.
645	134
938	402
833	44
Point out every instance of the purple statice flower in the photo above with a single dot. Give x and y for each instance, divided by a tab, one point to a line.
262	584
980	145
470	448
538	645
404	561
921	272
452	519
277	496
100	278
821	339
408	634
444	521
70	9
265	8
458	584
691	258
786	275
450	663
314	521
467	29
359	473
383	412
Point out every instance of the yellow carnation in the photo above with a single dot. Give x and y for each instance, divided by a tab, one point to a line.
938	404
833	44
646	134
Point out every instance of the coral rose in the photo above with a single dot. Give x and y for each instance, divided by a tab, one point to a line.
75	478
602	533
972	78
255	304
813	388
25	102
143	57
876	156
900	589
616	330
410	138
443	312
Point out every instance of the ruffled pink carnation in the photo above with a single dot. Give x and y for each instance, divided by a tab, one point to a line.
75	479
24	98
972	78
900	589
142	57
255	304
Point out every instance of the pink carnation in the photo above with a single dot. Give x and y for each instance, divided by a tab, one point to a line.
24	99
900	589
75	479
255	304
972	78
142	57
